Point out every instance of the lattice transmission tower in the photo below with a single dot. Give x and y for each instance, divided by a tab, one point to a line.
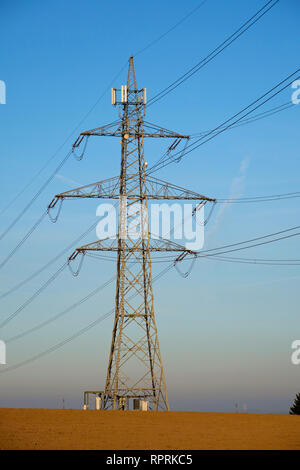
135	368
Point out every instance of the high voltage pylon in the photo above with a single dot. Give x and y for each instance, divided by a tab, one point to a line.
135	368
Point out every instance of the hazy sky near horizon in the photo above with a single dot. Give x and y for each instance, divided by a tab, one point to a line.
226	330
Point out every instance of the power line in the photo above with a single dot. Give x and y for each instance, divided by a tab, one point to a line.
274	234
253	245
254	199
94	106
76	334
46	284
39	271
259	116
34	296
222	250
103	317
49	263
258	261
37	194
96	103
59	345
262	237
23	240
222	128
271	197
61	146
243	122
224	125
31	230
170	30
59	315
36	273
211	252
233	37
159	165
167	258
68	339
254	118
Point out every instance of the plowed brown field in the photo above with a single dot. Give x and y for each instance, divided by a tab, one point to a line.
78	429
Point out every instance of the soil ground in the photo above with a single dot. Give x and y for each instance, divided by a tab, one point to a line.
135	430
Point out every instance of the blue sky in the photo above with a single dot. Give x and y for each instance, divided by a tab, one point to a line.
226	330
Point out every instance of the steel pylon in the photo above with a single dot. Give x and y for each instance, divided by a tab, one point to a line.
135	365
135	368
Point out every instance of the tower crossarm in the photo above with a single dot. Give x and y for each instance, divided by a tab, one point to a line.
110	189
105	189
160	189
157	245
117	130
